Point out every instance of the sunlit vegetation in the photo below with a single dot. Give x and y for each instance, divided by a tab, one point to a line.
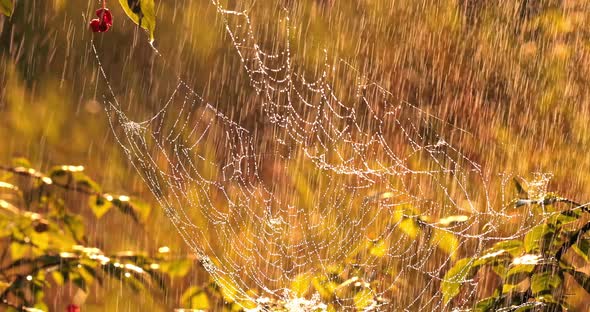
46	244
541	271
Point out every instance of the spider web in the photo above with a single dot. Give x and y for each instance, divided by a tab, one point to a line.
348	190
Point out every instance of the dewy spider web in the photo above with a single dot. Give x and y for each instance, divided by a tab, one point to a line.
350	170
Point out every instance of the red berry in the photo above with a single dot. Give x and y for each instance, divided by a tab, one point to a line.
73	308
103	22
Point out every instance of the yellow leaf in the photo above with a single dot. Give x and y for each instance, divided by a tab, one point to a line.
4	285
228	290
6	7
324	287
446	242
142	13
18	250
57	277
195	298
363	299
409	227
300	285
99	205
176	268
378	249
452	220
455	278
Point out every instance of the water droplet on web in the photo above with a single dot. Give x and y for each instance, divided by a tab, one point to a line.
133	128
208	264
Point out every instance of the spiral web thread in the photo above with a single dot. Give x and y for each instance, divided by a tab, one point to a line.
349	172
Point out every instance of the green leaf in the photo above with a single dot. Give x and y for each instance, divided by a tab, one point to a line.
492	257
455	277
542	283
195	298
538	238
500	269
57	239
581	278
548	298
500	253
82	180
142	13
99	205
136	209
518	273
486	305
568	216
74	175
582	248
176	268
513	247
80	282
38	307
143	209
525	307
87	273
18	161
506	288
75	225
118	272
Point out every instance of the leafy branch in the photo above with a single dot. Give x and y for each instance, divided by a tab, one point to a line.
52	244
76	181
538	258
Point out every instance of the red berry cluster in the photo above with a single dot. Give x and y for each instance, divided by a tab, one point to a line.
73	308
104	21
